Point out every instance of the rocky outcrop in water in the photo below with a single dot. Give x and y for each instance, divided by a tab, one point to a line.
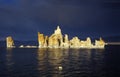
99	43
56	40
9	42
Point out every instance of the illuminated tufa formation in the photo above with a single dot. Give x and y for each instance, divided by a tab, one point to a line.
9	42
42	40
56	40
99	43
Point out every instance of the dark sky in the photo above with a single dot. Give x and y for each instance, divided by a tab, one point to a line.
22	19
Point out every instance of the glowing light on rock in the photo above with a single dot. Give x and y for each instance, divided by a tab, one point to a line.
60	68
9	42
56	40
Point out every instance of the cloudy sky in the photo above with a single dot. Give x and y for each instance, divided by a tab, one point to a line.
22	19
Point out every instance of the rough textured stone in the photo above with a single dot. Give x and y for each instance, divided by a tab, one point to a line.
74	42
66	41
56	40
9	42
46	41
99	43
41	39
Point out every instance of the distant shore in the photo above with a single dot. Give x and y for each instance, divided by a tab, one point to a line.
112	43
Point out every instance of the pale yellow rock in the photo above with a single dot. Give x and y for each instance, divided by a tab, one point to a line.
46	41
50	42
88	40
41	39
102	42
53	41
99	43
75	42
66	41
21	46
60	68
56	40
66	38
82	43
9	42
58	30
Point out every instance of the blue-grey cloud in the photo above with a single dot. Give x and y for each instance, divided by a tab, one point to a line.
23	18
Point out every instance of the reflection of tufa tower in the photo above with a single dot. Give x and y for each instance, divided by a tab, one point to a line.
9	42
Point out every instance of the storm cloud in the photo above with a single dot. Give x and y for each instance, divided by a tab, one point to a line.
22	19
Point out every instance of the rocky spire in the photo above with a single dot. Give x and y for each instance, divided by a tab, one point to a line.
41	39
9	42
58	30
56	40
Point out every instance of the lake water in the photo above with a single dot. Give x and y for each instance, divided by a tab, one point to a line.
33	62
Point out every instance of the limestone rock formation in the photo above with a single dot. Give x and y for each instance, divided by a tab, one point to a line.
75	42
41	39
9	42
53	42
88	40
66	42
99	43
56	40
46	41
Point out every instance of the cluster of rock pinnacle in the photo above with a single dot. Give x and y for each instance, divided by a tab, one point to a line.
57	40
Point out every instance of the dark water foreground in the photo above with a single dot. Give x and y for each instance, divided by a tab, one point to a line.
46	62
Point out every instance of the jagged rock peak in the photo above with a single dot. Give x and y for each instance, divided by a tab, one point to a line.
58	30
58	27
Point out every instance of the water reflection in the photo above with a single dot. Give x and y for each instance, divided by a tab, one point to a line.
74	62
41	57
74	53
49	61
55	56
98	63
41	54
32	62
9	61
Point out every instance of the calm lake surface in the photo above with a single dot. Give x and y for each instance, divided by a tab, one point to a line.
33	62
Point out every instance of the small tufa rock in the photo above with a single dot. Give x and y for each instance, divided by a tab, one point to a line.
60	68
9	42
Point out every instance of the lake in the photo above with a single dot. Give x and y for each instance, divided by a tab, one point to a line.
34	62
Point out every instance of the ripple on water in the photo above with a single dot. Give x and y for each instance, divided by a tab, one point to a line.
46	62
